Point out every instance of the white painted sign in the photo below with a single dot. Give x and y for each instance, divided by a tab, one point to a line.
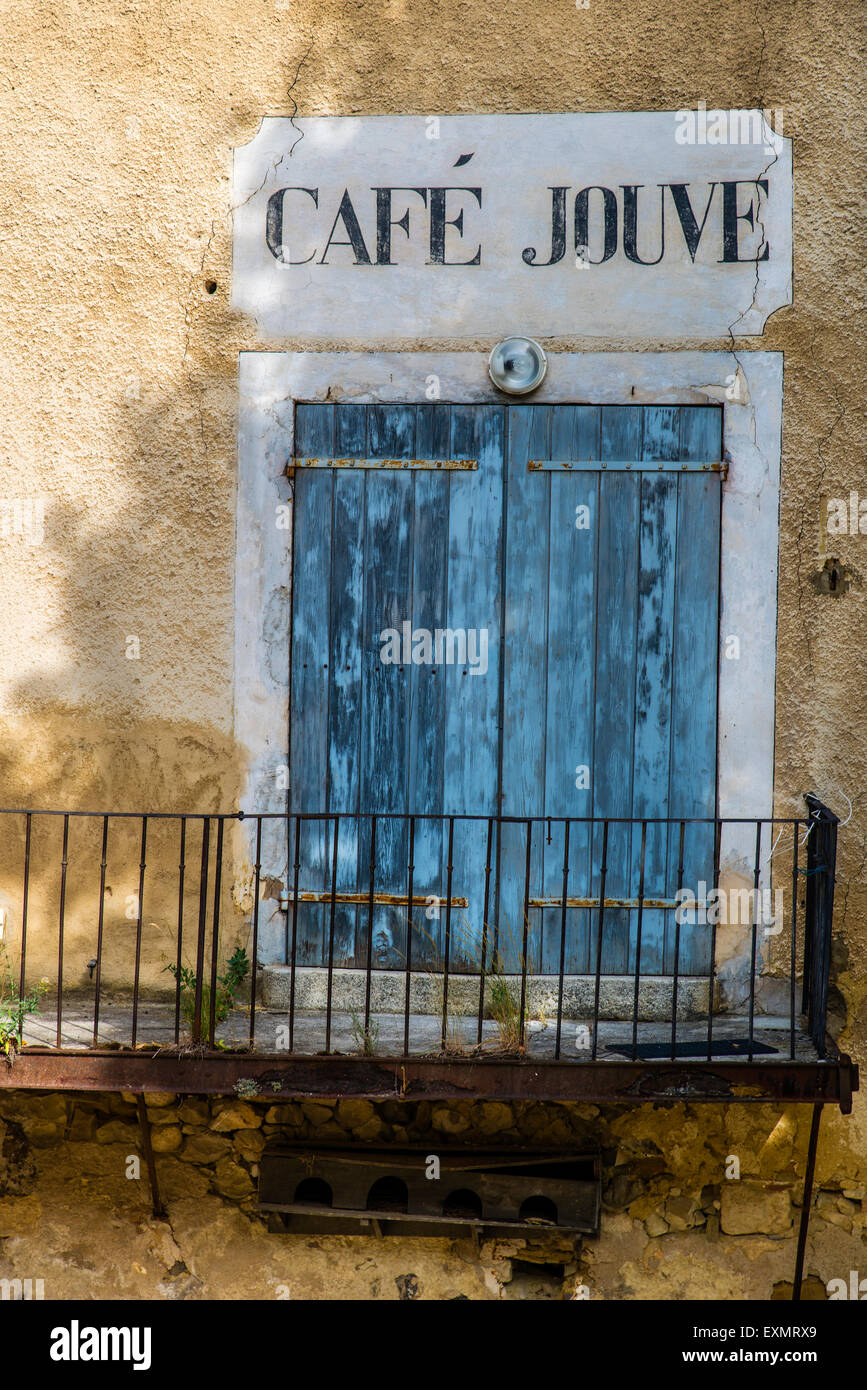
618	225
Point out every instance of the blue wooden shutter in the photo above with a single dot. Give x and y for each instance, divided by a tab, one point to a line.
603	644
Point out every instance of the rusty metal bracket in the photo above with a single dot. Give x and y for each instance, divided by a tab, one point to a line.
805	1208
159	1211
446	465
625	466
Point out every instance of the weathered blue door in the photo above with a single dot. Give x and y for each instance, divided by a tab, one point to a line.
503	610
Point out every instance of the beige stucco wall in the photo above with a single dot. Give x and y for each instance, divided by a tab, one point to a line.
119	359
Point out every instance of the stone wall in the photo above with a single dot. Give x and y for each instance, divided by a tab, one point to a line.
674	1226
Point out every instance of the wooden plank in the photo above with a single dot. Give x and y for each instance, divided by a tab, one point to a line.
385	723
525	677
310	676
694	703
347	631
655	640
573	533
471	749
427	686
617	587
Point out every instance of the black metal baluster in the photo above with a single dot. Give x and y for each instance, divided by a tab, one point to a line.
330	977
138	927
409	923
566	829
200	939
638	941
296	871
215	934
717	835
182	864
485	913
368	977
448	941
755	932
63	863
525	934
99	929
603	872
255	945
794	945
25	902
677	913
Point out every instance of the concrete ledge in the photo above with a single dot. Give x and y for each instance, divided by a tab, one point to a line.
387	993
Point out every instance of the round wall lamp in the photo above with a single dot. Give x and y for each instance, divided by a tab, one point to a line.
517	366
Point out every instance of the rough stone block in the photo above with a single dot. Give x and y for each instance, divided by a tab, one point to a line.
755	1209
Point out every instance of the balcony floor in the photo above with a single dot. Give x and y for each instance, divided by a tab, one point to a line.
155	1026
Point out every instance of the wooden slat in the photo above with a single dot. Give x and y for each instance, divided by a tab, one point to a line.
615	670
692	790
655	641
311	675
385	722
472	701
427	687
570	675
525	676
347	631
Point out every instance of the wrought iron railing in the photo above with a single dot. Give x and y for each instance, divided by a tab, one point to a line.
617	922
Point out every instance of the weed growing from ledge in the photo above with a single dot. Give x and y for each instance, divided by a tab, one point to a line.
228	984
14	1007
365	1039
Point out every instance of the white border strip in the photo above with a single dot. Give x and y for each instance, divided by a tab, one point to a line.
270	383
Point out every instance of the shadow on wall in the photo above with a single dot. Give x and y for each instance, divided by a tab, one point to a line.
122	695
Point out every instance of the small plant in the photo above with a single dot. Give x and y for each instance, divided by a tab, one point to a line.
365	1039
505	1012
228	984
246	1086
14	1007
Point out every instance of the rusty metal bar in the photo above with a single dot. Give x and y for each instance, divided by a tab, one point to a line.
417	1078
566	829
626	465
99	929
451	465
609	902
379	899
159	1210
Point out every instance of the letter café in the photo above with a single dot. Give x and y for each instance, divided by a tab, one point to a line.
298	220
